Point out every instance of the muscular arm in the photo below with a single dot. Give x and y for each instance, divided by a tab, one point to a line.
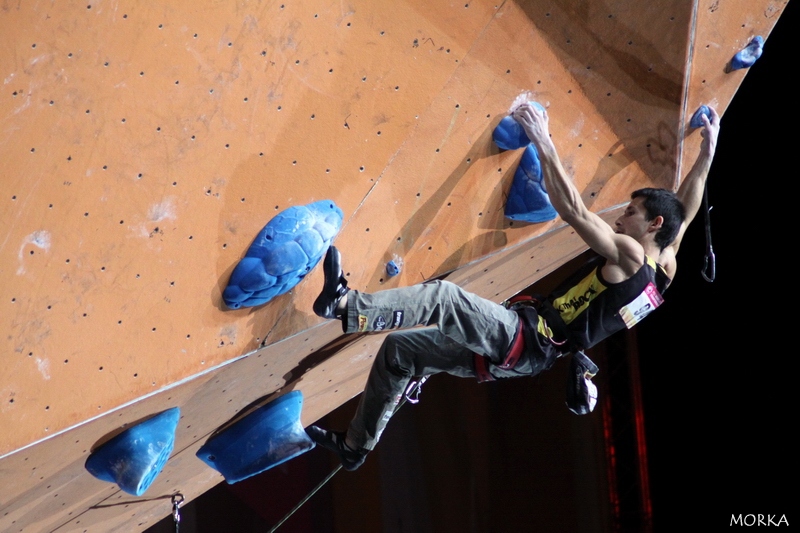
617	249
690	192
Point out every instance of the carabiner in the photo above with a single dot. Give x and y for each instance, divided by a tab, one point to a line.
177	501
415	388
710	266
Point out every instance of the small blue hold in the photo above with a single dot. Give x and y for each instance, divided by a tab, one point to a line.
697	121
509	135
392	268
749	54
284	251
528	200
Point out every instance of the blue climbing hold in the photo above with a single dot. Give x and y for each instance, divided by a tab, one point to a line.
697	121
509	135
283	252
749	54
392	269
394	266
528	200
269	436
135	457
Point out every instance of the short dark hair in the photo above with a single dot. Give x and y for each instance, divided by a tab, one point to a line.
664	203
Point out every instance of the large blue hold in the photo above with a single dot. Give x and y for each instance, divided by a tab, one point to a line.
135	457
528	200
267	437
288	247
509	135
748	55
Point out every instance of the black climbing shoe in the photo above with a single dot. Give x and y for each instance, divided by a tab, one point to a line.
335	285
335	442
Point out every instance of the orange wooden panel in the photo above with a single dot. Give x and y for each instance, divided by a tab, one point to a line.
150	145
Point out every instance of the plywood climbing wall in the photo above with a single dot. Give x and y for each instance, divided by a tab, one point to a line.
144	146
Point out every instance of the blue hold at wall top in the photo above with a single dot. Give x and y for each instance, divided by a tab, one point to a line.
697	120
288	247
747	56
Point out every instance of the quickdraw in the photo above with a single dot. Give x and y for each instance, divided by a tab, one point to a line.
709	271
177	501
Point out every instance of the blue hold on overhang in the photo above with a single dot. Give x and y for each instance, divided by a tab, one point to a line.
136	456
266	437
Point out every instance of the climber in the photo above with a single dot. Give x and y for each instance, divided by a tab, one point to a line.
473	337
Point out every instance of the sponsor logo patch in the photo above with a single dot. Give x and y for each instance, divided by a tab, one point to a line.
641	306
379	324
362	323
397	319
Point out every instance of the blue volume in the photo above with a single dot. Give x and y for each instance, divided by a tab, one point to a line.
283	252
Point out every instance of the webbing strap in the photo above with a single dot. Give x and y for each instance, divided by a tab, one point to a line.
481	370
516	349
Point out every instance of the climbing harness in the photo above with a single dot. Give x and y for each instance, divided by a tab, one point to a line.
709	271
177	501
411	395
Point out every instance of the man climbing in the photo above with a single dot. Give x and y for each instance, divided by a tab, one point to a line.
474	337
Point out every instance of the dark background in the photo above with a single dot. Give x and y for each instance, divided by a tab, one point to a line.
718	359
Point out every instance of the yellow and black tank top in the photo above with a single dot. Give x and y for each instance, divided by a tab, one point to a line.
586	309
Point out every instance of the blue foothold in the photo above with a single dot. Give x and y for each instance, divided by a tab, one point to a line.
392	268
528	200
283	252
749	54
135	457
697	121
267	437
509	135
